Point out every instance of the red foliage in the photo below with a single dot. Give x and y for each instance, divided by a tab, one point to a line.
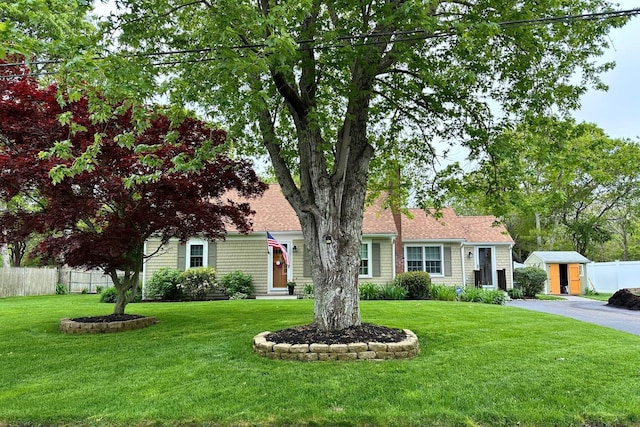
93	219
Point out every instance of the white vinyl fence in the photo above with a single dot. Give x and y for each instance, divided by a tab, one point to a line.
609	277
19	282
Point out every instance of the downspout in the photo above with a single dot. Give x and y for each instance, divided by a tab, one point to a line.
511	263
393	257
464	275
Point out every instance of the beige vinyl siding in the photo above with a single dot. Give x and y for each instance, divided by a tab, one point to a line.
247	255
167	256
456	268
297	262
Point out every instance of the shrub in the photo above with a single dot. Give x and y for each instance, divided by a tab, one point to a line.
61	289
393	291
195	283
164	285
530	279
515	293
237	281
99	289
369	291
85	291
416	283
443	293
308	292
109	295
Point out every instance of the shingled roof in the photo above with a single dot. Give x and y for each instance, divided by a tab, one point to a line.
273	213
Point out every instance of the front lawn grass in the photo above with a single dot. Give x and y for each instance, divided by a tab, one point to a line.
598	296
480	365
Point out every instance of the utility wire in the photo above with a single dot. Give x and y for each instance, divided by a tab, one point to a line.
342	41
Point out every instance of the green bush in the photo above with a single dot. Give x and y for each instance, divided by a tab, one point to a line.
61	289
393	291
369	291
443	293
237	281
109	296
515	293
307	291
99	289
195	283
164	285
472	295
530	279
416	283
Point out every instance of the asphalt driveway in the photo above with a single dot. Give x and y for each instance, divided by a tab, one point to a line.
586	310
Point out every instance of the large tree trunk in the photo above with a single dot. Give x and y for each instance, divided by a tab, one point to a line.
127	288
333	240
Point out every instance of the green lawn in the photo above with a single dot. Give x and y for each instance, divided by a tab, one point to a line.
480	365
598	296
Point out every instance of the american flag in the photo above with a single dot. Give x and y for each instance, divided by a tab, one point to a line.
273	243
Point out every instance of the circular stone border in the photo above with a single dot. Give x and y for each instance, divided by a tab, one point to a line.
68	326
376	351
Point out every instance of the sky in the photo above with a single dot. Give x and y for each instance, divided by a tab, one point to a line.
617	111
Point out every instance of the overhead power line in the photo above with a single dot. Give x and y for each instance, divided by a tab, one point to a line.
364	39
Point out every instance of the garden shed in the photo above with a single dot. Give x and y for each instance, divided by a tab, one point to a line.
566	271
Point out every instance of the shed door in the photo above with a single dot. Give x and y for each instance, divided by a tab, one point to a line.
574	279
554	279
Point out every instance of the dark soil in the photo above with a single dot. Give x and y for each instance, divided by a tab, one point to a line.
309	334
109	318
624	298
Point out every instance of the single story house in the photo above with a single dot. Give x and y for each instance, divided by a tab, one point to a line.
455	250
566	271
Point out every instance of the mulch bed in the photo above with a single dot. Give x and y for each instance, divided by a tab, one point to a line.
109	318
624	298
309	334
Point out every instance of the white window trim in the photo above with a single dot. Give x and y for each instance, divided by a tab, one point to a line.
422	246
369	258
205	252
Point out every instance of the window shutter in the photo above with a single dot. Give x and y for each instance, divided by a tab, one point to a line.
306	263
211	251
447	261
182	256
375	261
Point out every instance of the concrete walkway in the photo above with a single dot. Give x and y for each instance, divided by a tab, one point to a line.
586	310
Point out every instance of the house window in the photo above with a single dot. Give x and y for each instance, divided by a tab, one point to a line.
365	259
196	253
424	258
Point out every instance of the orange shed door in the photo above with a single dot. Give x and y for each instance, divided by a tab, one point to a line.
554	279
574	279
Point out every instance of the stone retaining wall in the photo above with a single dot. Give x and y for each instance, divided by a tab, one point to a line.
407	349
68	326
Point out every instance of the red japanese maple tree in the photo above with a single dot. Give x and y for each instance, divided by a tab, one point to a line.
168	181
